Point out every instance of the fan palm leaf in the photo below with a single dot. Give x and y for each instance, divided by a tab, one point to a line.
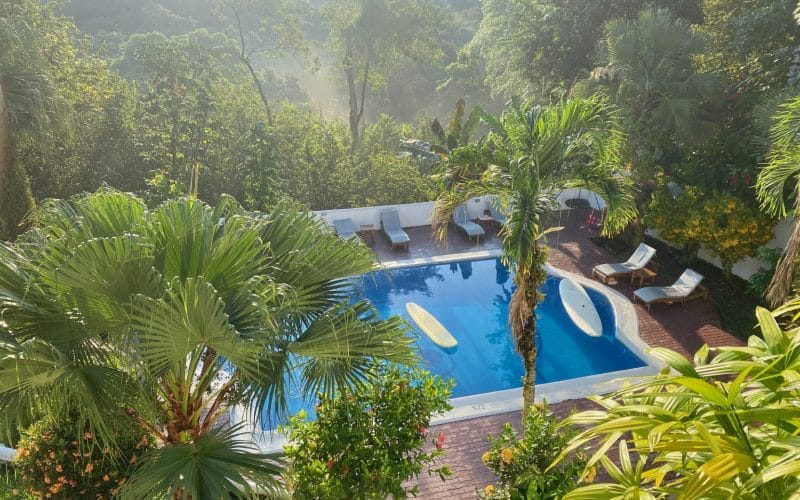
165	317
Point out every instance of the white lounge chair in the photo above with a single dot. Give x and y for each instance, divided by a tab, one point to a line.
686	288
390	225
461	220
345	228
639	260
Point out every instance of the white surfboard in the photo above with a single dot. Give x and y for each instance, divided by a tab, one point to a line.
430	326
580	308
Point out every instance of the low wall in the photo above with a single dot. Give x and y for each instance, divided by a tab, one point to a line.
419	214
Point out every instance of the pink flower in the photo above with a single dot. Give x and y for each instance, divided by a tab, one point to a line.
440	441
422	429
329	464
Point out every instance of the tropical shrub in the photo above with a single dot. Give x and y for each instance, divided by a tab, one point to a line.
521	463
368	440
53	462
725	225
675	218
722	426
733	229
163	318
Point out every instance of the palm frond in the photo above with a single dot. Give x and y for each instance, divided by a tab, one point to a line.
212	466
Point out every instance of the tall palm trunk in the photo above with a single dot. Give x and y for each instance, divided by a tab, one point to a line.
5	160
522	317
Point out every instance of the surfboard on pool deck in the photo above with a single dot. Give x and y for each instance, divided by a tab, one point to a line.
430	326
580	308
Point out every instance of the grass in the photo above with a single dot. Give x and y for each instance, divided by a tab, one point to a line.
730	295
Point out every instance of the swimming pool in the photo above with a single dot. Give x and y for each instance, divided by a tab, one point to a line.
470	299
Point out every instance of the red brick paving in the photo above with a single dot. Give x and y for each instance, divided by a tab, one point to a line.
678	327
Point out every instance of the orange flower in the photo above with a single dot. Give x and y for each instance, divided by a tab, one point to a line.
105	477
89	468
59	468
46	480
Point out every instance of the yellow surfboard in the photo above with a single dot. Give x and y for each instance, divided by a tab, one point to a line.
430	326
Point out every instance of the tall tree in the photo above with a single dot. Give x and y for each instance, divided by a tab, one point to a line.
370	37
26	101
269	29
540	47
164	318
531	154
649	73
750	41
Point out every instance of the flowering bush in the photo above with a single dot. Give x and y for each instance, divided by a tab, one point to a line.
727	226
52	463
368	441
521	464
734	230
676	219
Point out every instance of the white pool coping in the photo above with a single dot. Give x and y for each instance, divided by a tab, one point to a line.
492	403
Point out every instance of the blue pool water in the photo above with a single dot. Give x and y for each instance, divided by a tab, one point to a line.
470	299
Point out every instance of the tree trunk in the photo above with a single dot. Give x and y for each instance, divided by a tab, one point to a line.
356	105
245	58
16	199
261	92
522	318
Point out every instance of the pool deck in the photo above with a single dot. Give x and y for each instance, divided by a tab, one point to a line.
683	328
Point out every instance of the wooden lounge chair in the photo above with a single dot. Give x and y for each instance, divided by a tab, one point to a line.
686	288
462	222
390	225
345	228
639	260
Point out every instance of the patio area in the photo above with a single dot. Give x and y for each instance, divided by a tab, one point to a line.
683	328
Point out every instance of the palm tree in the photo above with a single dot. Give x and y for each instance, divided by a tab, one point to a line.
26	100
649	74
166	317
532	154
782	168
458	133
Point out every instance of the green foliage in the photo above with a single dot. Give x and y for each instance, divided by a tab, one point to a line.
677	219
369	39
367	441
521	464
96	294
722	426
758	283
649	73
52	462
727	226
751	41
545	61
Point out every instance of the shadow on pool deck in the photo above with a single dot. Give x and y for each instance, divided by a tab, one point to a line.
683	328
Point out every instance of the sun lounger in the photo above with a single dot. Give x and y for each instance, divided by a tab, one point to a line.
686	288
345	228
390	225
461	220
639	260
